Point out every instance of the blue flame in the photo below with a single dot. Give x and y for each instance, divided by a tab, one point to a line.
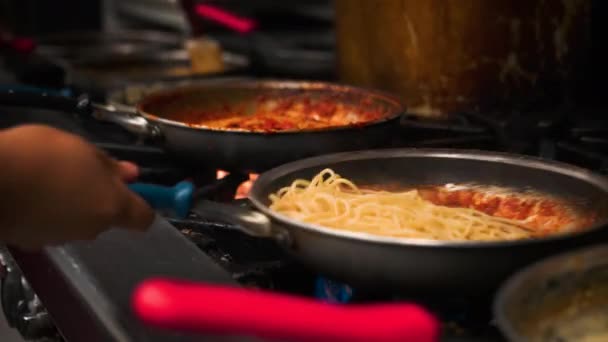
333	292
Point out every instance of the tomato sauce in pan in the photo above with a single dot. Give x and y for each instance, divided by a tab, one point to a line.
283	114
544	215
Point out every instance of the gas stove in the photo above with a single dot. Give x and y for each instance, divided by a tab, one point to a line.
81	291
230	257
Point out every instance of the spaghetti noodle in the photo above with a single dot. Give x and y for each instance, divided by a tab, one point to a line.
332	201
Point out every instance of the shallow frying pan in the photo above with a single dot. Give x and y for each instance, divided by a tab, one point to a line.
238	150
377	263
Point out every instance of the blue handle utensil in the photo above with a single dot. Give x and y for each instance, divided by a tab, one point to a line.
176	200
181	199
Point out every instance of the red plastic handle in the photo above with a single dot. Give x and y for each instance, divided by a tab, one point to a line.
23	45
17	44
210	309
223	17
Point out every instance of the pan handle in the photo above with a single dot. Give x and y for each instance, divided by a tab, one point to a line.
244	219
211	309
176	200
60	100
131	122
179	200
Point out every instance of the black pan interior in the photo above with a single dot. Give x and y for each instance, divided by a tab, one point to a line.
415	168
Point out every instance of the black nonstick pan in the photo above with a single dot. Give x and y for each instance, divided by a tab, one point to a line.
163	116
381	263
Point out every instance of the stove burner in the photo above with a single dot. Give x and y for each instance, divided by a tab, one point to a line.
223	189
461	317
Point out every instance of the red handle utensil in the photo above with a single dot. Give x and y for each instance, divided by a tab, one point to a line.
211	309
17	44
232	21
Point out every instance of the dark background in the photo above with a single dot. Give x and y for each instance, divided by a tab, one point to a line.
39	17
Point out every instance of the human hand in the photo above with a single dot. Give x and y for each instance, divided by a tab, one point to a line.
57	188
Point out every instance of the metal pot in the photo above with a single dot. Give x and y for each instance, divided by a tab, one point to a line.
446	57
562	298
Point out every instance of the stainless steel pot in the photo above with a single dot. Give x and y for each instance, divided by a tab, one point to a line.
562	298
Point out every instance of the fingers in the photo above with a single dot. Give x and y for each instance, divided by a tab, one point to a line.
135	213
128	171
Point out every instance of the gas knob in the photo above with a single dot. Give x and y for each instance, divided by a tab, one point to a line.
21	306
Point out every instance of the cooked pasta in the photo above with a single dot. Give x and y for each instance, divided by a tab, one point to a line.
332	201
